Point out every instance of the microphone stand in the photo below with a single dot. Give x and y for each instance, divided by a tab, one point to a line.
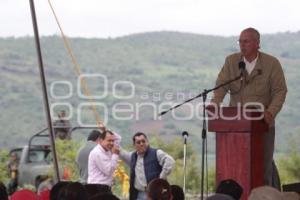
204	130
204	142
185	135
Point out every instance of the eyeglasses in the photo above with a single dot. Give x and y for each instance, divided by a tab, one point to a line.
140	142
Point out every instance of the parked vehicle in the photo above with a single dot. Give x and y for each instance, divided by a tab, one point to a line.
34	160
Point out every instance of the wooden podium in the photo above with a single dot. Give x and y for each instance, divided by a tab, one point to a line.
239	145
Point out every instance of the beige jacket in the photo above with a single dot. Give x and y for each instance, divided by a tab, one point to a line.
266	83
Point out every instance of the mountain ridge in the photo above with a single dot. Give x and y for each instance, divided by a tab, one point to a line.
154	62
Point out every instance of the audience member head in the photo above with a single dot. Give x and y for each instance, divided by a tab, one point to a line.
24	195
177	192
56	189
105	196
231	188
3	192
94	135
159	189
73	191
265	193
96	189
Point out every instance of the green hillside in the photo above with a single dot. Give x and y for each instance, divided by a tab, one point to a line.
163	66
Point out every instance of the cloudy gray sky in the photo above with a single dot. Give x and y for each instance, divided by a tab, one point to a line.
112	18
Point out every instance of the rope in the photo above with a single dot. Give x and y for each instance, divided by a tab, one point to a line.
83	82
119	173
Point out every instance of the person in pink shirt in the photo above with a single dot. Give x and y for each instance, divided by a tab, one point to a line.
103	159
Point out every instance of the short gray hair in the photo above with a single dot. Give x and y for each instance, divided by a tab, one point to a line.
255	32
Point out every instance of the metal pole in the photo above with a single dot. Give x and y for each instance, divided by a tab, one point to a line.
204	153
184	167
44	87
185	136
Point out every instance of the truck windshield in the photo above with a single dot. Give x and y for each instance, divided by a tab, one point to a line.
38	155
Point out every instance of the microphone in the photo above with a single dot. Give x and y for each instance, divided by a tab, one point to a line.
242	66
162	113
185	135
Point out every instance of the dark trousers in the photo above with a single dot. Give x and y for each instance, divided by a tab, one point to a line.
12	186
271	176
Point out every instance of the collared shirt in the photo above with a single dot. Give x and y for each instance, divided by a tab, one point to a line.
102	164
250	65
140	182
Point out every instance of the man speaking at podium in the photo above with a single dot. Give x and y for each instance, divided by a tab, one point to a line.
262	82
